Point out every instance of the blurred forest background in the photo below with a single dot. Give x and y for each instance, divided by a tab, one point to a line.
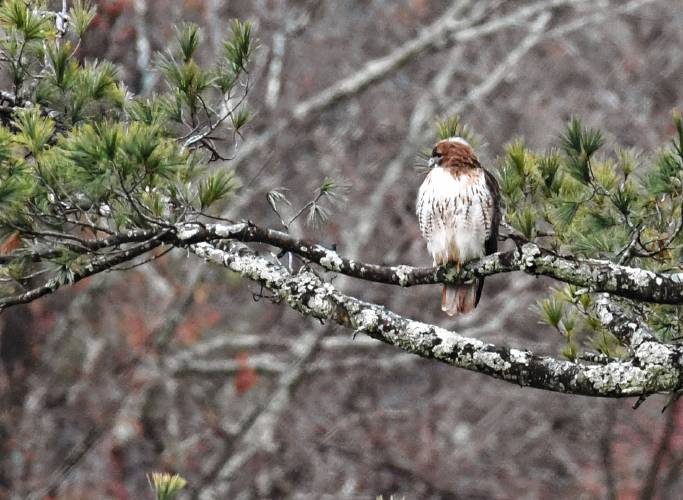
180	366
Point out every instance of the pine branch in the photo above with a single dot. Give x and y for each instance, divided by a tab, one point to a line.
630	331
307	293
82	246
95	266
593	274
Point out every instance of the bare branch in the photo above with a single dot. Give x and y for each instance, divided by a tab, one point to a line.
444	32
258	433
143	46
659	454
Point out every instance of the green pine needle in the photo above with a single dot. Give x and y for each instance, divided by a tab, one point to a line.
97	80
166	486
452	126
216	187
666	176
599	221
81	15
276	197
570	351
678	123
35	130
189	38
20	16
624	198
524	221
599	244
605	343
551	311
569	324
449	127
241	118
629	160
579	168
317	215
518	158
577	140
239	47
549	168
64	67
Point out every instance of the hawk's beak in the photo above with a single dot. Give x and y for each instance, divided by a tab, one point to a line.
433	162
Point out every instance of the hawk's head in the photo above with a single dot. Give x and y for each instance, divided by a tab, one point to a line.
453	152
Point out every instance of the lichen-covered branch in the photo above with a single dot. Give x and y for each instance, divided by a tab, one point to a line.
651	370
629	330
595	275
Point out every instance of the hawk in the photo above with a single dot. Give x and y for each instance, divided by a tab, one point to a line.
458	210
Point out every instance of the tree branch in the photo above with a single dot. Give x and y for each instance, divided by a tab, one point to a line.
82	246
652	371
593	274
629	330
446	31
96	266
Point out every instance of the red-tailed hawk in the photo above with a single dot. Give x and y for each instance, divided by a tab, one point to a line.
458	209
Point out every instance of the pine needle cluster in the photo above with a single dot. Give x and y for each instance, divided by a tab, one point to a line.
83	158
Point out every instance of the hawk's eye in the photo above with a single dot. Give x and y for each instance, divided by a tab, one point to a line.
435	153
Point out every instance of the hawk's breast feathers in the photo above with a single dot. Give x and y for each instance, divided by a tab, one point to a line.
455	209
458	214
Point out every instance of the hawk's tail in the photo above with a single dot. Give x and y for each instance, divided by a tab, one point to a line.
461	299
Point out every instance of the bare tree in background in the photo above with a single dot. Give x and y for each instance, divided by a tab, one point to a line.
182	375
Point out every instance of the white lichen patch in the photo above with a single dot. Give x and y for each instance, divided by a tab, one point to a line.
606	317
519	357
366	320
561	267
616	376
489	263
330	260
226	230
320	304
412	336
492	360
403	275
676	277
188	231
653	353
640	277
414	329
449	343
624	378
529	254
604	314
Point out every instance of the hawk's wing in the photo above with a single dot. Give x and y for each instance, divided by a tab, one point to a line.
491	244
